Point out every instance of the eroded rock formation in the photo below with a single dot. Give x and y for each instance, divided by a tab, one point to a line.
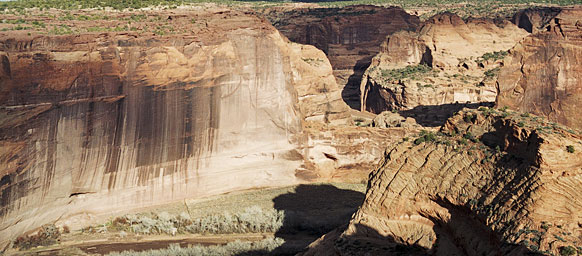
535	20
346	153
446	61
99	122
319	95
544	72
349	36
490	184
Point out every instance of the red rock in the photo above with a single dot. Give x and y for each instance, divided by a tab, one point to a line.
544	73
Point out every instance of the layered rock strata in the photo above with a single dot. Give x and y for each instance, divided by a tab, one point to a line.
446	61
319	95
100	122
346	153
492	183
349	36
543	75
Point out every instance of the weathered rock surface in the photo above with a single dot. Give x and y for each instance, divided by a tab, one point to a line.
101	122
346	35
389	119
535	20
543	75
319	95
346	153
459	59
495	185
349	36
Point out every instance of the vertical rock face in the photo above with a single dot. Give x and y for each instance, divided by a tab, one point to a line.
462	54
318	93
102	122
544	73
535	19
349	36
507	190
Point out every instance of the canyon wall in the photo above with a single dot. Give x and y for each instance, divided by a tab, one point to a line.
349	36
457	61
491	181
543	74
101	122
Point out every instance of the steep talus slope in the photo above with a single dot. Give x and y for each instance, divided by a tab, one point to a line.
446	61
100	122
544	72
349	36
491	183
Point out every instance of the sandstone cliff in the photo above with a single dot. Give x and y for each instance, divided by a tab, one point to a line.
319	95
491	183
99	122
535	20
346	153
544	72
446	61
349	36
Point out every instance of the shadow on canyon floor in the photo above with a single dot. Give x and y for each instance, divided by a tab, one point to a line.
312	211
437	115
351	90
463	234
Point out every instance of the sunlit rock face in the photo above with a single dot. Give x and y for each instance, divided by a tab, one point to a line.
453	48
509	184
544	72
349	36
92	124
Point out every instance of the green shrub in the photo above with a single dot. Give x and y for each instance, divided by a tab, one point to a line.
407	72
462	141
250	220
263	247
494	55
520	124
567	251
47	235
492	72
470	137
425	137
570	149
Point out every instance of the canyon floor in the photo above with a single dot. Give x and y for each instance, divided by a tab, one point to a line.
332	203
